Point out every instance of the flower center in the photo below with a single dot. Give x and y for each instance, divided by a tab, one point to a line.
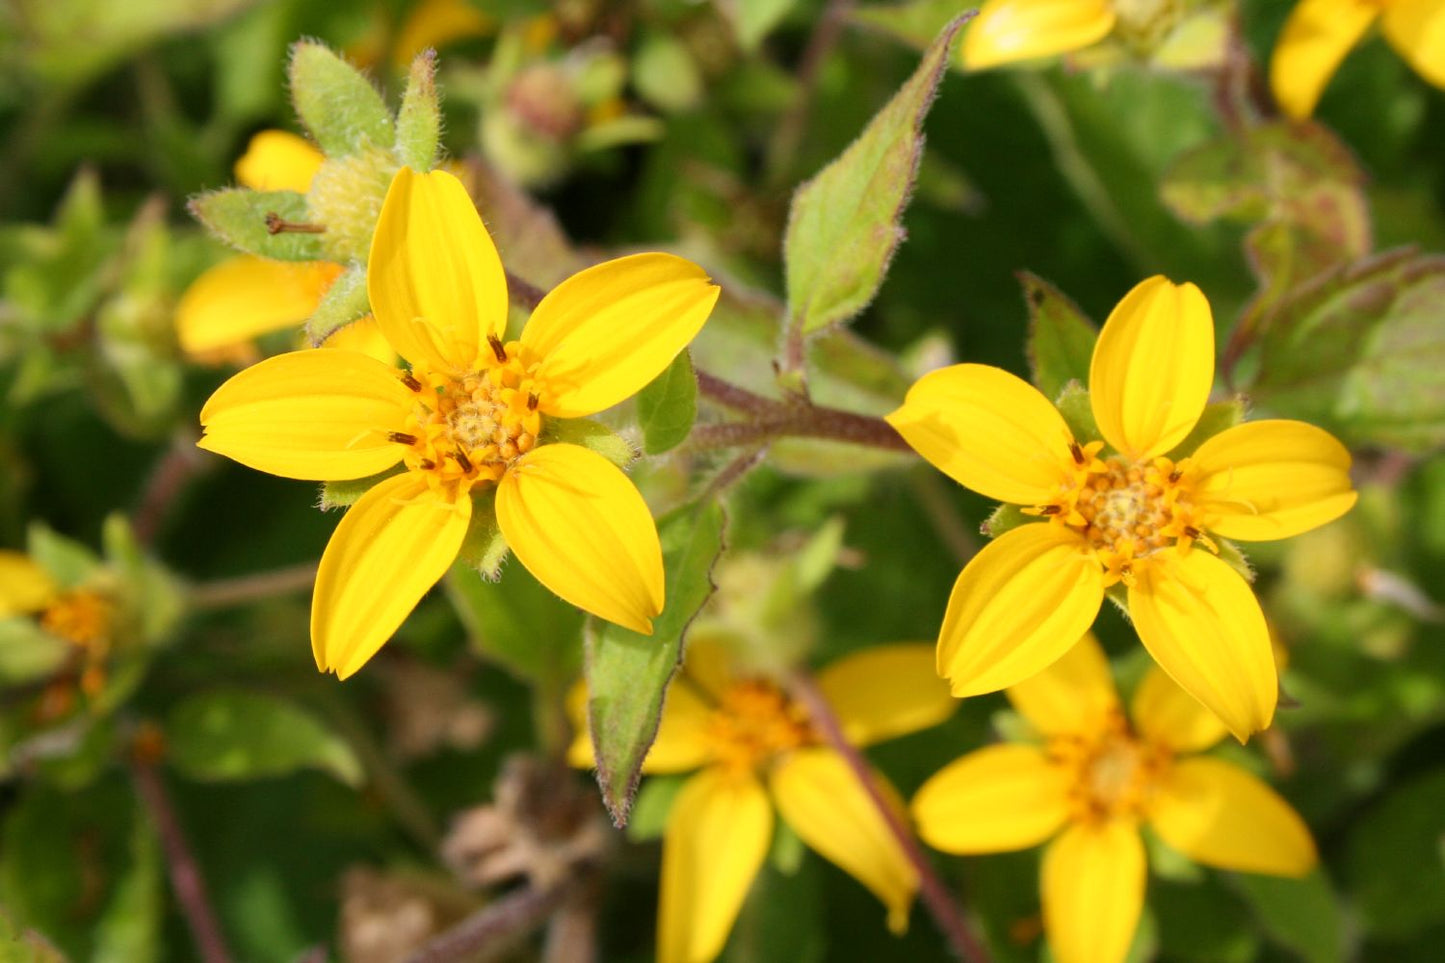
1113	774
754	722
470	429
81	618
1127	511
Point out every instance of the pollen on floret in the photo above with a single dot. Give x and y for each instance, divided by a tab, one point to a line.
755	721
468	430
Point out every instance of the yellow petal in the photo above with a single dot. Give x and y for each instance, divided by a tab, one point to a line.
1203	625
276	160
582	529
436	284
1416	29
709	664
1218	814
1153	367
1166	715
1315	39
246	296
363	335
1019	605
682	741
1074	696
315	415
717	836
1264	480
819	796
605	332
1093	889
436	23
1006	31
24	586
885	692
993	800
989	431
393	545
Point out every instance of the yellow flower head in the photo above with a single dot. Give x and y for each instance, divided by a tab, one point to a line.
758	750
1123	507
1319	33
467	417
1009	31
244	297
25	587
1090	785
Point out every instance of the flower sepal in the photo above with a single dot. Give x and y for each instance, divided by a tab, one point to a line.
484	548
592	435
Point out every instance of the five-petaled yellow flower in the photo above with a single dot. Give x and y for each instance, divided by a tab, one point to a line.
1123	507
747	734
1092	784
1319	33
467	416
224	308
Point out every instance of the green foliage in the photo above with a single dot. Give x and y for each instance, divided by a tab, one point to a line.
239	217
1061	339
419	121
344	302
230	735
667	408
1394	859
1300	914
1360	353
844	224
517	622
627	673
338	105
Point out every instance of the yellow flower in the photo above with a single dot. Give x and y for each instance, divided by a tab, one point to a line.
1170	32
466	417
246	296
1129	514
1319	33
1090	786
24	586
758	751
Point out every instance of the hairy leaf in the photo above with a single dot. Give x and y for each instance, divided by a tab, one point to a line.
627	673
239	217
667	407
1061	339
336	102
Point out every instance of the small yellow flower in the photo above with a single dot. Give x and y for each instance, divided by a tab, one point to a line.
1319	33
757	751
1092	784
1009	31
84	618
467	416
246	296
1130	514
25	587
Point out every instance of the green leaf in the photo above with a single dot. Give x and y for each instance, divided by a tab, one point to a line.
1302	915
915	23
419	121
1394	859
667	407
844	224
592	435
27	653
665	73
238	216
20	945
1217	416
519	623
484	548
69	563
1201	923
344	302
129	929
151	593
753	20
1078	411
1360	353
236	735
627	673
1061	339
653	806
336	102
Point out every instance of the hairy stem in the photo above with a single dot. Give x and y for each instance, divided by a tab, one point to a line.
489	932
772	419
175	469
945	910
